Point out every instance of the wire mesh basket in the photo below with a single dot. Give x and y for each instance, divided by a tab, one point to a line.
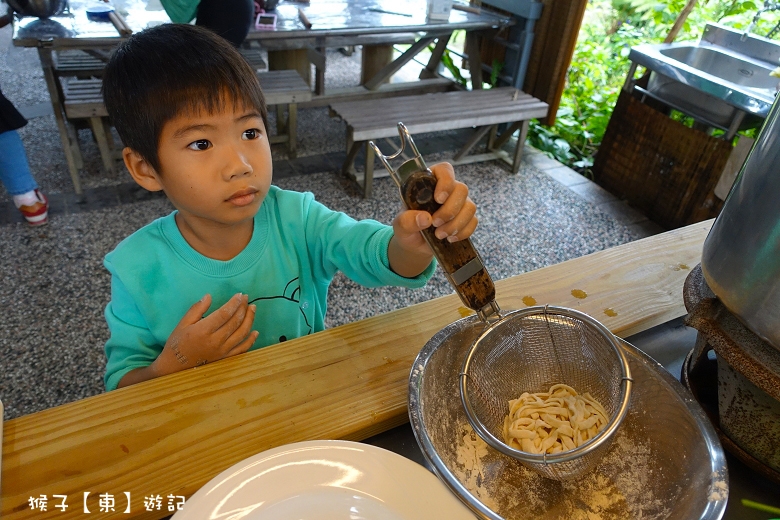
529	351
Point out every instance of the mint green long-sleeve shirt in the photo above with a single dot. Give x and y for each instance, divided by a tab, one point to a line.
296	248
180	11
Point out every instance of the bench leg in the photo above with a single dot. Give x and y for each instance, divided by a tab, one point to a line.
349	163
292	129
73	133
281	120
504	137
99	130
55	93
368	178
491	143
520	146
479	134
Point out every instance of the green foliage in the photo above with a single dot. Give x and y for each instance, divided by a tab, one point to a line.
495	72
600	65
446	60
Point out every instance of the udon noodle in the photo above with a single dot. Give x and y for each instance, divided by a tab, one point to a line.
554	421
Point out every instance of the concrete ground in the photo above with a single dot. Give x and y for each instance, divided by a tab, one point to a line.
54	288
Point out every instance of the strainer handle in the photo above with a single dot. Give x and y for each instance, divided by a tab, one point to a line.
459	260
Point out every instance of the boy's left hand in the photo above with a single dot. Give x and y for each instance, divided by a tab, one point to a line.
454	220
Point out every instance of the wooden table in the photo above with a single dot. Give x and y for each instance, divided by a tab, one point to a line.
73	31
291	45
173	434
374	24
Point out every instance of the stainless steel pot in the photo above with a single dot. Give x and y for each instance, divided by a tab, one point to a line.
39	8
741	257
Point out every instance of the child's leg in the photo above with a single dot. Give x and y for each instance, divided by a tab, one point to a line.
17	179
14	169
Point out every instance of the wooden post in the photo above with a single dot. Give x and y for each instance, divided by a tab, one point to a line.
295	59
374	59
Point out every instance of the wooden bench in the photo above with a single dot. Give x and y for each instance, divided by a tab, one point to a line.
78	63
83	99
253	55
484	109
285	88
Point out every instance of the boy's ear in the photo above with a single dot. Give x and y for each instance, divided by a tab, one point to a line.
141	171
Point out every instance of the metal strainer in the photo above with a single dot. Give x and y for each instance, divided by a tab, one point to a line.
520	351
530	350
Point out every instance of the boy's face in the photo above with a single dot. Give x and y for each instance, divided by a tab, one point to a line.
216	167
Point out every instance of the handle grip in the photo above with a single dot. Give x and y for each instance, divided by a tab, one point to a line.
459	260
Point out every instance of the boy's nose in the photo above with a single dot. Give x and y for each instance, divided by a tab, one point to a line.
236	164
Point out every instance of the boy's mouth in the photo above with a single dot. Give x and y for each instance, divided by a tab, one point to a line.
243	197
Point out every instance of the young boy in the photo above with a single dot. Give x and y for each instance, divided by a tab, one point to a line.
240	264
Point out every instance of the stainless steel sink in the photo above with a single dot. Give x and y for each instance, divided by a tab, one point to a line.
725	66
722	80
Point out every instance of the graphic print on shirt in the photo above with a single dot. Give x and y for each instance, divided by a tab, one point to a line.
292	294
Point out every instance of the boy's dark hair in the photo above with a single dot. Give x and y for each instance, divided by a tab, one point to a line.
168	70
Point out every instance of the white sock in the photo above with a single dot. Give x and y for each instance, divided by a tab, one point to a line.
26	199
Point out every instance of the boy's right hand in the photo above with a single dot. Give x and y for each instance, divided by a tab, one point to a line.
197	340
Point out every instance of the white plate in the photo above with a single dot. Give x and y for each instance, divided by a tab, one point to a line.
324	480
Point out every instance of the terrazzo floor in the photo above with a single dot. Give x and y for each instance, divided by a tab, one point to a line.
54	288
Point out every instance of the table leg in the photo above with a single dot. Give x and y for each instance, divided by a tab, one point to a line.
373	59
317	57
475	59
391	68
52	84
431	70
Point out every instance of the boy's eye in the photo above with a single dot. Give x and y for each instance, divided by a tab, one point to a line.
199	145
252	133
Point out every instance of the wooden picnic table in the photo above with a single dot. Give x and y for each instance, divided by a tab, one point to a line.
173	434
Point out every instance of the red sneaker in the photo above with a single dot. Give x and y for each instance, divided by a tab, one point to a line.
38	213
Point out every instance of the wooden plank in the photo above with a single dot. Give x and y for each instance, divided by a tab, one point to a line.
385	90
173	434
458	100
427	114
430	110
341	41
505	92
284	87
77	62
360	113
439	124
85	110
